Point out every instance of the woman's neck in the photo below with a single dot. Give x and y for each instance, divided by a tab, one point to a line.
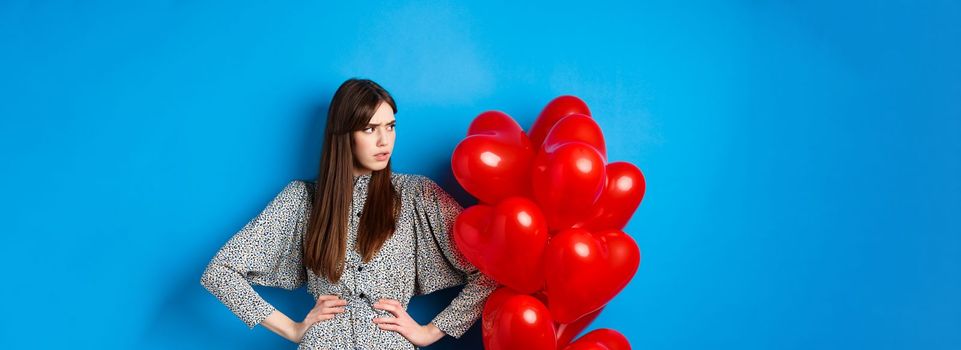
361	172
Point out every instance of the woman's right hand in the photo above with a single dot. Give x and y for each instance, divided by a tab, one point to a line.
326	308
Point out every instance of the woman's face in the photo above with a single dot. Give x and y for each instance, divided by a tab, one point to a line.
374	144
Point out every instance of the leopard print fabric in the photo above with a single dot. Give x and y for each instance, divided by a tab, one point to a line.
419	258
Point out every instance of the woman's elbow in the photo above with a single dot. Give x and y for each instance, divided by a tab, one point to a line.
210	278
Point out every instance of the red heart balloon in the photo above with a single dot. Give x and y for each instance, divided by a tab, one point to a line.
497	123
601	339
558	108
493	161
567	331
495	299
584	271
469	225
566	182
619	199
500	294
505	242
516	321
576	127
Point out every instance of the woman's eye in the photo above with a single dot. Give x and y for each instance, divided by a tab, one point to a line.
369	130
390	127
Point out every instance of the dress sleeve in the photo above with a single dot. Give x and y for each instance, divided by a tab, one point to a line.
266	252
440	265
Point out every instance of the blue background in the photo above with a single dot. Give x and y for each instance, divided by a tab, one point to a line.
803	159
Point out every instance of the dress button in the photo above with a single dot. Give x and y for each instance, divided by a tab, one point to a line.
362	295
360	268
358	214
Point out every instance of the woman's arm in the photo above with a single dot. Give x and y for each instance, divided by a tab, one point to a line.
440	265
279	323
466	307
266	251
327	306
405	325
433	333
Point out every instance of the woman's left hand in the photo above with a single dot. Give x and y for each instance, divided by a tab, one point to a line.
405	325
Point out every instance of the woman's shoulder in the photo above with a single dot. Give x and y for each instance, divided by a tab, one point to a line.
407	177
299	188
298	184
410	181
400	180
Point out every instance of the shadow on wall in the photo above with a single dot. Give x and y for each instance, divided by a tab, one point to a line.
313	137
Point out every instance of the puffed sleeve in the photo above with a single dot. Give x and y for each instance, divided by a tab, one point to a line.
266	252
440	265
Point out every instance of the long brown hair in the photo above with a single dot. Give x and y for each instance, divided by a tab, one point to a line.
325	241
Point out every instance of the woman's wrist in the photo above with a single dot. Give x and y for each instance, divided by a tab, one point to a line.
434	333
297	331
289	329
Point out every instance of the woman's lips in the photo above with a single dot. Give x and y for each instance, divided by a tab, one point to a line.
382	156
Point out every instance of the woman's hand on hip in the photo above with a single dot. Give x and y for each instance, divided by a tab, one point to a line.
326	308
403	324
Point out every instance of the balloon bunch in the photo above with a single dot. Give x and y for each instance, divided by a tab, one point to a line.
548	228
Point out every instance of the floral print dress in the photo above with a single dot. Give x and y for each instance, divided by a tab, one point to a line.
419	258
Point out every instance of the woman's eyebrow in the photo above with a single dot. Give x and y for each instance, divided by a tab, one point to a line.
373	125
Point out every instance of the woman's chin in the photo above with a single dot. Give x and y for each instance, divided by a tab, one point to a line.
378	165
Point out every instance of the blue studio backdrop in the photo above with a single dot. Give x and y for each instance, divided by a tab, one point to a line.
803	159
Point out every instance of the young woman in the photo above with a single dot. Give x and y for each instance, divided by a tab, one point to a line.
363	239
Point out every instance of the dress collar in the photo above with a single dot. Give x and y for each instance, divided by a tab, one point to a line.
361	179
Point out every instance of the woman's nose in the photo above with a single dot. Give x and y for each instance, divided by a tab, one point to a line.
381	138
